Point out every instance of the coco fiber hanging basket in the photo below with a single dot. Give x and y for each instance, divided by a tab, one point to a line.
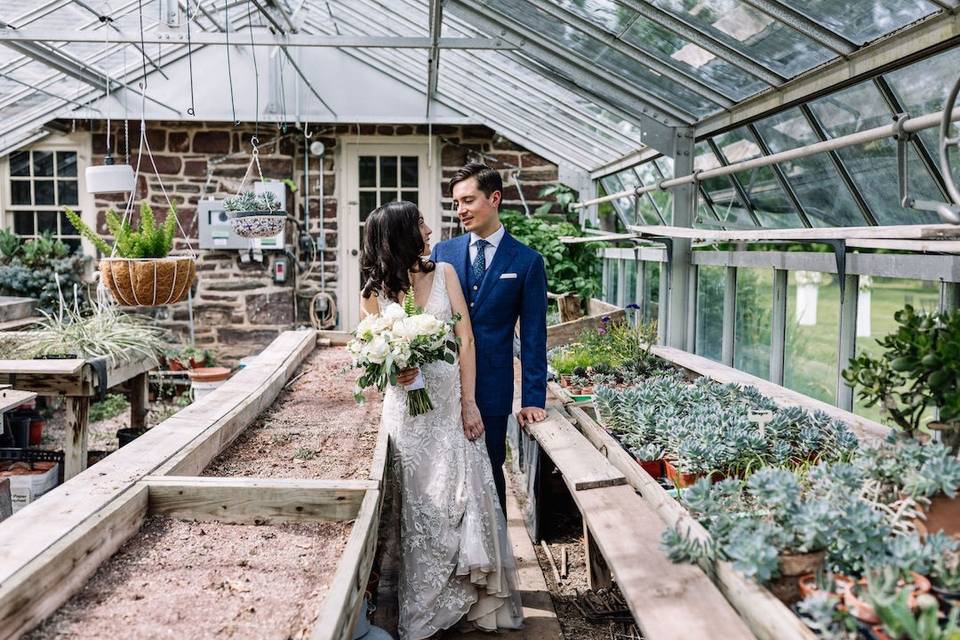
148	282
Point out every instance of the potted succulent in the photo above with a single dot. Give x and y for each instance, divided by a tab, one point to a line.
945	578
255	215
138	271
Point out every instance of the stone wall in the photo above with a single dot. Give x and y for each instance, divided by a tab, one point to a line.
237	306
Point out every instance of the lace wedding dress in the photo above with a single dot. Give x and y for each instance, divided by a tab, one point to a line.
456	562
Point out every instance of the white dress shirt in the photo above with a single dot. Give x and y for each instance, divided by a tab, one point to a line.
489	250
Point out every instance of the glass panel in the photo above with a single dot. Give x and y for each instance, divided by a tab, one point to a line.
604	13
73	243
678	52
650	204
409	171
873	166
651	291
754	33
67	192
751	351
623	206
47	221
628	180
388	171
922	88
770	203
23	223
43	163
66	164
630	272
710	287
825	199
66	227
879	299
726	200
43	192
664	199
368	202
813	332
20	163
20	192
368	171
410	196
863	20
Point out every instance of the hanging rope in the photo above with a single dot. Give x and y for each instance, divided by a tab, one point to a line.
226	33
256	91
106	76
191	111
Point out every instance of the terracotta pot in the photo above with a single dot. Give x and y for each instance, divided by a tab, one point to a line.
793	567
653	467
808	584
176	365
863	610
148	282
564	381
209	374
585	391
681	480
943	514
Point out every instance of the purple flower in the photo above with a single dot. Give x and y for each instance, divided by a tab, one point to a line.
601	331
605	319
633	306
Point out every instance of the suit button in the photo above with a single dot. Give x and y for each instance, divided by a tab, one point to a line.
475	287
471	304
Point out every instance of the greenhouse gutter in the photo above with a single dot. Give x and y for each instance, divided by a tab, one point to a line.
911	125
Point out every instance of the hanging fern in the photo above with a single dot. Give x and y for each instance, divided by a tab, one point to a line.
148	241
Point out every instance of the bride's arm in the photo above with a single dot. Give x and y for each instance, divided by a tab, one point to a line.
368	306
472	422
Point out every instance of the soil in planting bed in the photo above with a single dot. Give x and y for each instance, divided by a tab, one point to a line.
184	579
314	429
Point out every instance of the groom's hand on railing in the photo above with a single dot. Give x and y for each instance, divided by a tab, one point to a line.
472	421
527	415
407	376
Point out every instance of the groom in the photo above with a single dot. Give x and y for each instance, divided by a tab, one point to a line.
504	280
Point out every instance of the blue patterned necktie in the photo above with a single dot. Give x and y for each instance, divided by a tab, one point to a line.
480	262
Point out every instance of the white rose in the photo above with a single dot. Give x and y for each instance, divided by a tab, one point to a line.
394	312
376	350
427	324
401	352
406	328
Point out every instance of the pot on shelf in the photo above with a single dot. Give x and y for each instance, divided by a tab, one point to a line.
794	567
653	467
148	282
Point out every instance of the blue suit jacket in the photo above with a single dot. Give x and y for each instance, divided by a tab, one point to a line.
496	307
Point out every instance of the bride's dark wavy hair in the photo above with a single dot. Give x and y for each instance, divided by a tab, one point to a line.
392	247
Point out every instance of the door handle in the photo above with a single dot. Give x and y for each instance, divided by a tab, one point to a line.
354	252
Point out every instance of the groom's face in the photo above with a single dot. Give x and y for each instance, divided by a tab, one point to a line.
478	212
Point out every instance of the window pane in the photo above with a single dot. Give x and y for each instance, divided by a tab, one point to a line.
813	333
73	243
20	192
368	171
66	227
47	221
623	206
710	288
43	163
651	291
751	352
630	288
66	164
410	196
23	223
43	192
67	192
825	199
879	299
726	201
368	202
873	166
20	163
863	20
388	171
758	35
409	171
653	202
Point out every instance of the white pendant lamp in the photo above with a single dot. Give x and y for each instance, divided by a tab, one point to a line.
110	177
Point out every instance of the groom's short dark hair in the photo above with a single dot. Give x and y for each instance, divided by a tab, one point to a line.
488	180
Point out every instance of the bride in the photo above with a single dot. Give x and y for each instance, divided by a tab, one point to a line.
456	562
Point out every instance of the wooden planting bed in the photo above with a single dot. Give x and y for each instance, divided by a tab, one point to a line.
767	617
51	548
558	334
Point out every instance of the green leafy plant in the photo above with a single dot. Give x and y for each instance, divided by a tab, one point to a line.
899	620
562	195
919	368
113	405
250	201
149	240
30	270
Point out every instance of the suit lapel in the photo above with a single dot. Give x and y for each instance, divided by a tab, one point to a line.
461	258
501	260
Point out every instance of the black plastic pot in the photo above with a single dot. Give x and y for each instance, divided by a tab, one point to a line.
20	428
127	435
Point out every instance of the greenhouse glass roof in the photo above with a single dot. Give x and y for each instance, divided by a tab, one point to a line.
585	83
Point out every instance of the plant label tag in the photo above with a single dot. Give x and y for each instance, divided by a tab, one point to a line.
417	383
760	418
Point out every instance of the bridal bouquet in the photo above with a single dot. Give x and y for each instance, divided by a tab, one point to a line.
401	337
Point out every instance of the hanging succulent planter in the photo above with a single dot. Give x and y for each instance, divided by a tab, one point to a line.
255	215
138	271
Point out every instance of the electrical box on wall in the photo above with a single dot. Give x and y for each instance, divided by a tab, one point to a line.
215	231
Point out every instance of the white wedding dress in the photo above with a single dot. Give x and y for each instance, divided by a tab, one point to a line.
456	562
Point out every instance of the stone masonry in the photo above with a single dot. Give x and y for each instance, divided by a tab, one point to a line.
237	307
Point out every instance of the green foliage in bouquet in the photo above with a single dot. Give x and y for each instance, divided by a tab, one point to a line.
149	240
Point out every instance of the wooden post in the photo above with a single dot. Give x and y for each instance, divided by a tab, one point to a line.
598	574
139	400
75	446
6	502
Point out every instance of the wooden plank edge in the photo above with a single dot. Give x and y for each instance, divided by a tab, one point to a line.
44	584
340	609
767	617
381	457
615	479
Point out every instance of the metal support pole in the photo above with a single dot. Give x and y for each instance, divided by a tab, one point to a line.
684	210
691	345
729	327
847	347
663	309
949	296
778	325
641	289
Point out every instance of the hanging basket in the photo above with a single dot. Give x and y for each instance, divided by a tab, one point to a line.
258	224
148	282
